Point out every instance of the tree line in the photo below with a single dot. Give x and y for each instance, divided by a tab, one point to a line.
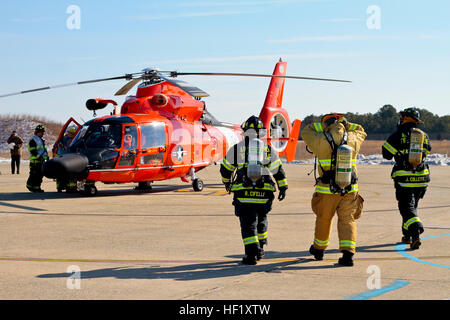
381	124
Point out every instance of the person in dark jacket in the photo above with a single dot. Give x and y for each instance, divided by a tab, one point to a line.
410	173
16	151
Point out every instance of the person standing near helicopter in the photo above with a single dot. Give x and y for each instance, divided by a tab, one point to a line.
253	162
38	155
16	151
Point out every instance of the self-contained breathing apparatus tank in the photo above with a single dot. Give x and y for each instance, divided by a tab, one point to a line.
343	176
255	160
416	147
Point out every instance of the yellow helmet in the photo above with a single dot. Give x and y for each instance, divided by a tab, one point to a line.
72	130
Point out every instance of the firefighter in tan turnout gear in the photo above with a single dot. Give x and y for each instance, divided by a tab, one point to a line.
336	143
253	162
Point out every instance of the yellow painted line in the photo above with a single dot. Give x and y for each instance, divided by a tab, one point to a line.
200	261
109	260
219	193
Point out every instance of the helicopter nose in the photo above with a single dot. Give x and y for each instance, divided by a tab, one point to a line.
67	166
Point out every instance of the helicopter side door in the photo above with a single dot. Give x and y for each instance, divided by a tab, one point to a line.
153	144
129	147
66	135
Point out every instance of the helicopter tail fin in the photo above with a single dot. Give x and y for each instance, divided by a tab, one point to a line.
282	135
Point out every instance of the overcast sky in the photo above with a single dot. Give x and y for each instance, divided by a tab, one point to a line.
395	52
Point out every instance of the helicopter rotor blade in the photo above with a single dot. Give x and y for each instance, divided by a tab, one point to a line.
127	87
175	74
127	76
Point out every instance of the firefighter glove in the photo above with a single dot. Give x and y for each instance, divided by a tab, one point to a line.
282	194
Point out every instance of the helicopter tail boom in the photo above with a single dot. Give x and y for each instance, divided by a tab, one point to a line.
282	135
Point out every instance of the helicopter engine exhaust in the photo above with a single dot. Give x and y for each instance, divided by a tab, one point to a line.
67	166
98	104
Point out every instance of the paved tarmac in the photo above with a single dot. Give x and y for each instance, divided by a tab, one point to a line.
173	243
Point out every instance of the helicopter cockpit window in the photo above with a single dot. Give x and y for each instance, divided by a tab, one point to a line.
100	135
152	136
99	142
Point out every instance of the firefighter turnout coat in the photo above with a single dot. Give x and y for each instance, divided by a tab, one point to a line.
410	183
325	203
38	155
244	192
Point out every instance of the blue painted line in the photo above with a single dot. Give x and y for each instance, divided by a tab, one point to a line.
397	284
400	248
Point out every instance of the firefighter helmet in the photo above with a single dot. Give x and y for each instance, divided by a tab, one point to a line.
412	113
254	124
72	130
330	118
39	128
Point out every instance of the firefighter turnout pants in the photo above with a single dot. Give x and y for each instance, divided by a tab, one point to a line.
35	178
254	223
408	200
348	209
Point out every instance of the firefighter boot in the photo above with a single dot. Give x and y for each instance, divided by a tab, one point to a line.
318	254
415	243
347	259
261	252
250	260
406	239
251	252
416	230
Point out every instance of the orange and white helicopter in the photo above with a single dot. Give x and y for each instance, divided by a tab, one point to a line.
162	132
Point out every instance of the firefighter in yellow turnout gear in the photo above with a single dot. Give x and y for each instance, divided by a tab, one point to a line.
336	188
246	171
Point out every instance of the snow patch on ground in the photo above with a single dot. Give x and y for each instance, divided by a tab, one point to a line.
25	129
377	159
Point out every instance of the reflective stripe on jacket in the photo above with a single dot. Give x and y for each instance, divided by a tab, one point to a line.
262	192
397	147
37	149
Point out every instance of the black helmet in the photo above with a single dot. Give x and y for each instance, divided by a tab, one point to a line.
39	128
255	124
411	112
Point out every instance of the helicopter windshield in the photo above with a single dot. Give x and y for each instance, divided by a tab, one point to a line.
99	135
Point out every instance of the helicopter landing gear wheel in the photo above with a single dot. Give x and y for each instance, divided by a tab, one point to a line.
197	185
144	186
90	190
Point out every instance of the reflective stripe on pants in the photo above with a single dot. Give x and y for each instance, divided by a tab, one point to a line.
347	207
